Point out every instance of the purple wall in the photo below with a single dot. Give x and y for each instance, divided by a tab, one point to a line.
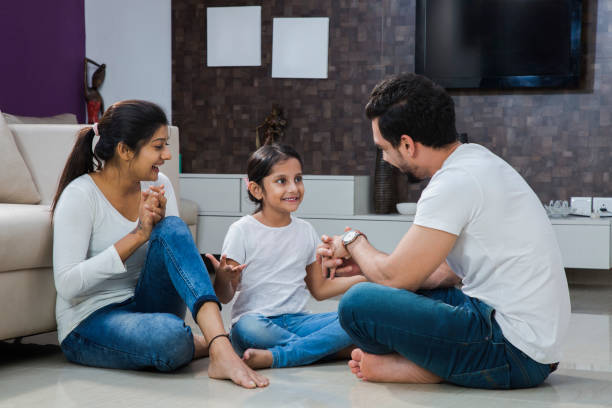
41	67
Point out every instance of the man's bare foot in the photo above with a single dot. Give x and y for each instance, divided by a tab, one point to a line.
345	353
201	348
389	368
226	365
256	358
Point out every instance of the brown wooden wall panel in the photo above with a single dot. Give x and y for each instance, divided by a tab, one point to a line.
560	141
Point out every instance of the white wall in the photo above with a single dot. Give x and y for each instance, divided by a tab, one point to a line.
133	39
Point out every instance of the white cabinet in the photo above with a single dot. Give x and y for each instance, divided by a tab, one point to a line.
324	195
584	242
212	192
330	204
334	202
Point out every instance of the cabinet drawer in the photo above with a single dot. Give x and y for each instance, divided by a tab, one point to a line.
584	246
213	194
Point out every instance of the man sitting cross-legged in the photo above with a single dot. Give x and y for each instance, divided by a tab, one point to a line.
504	327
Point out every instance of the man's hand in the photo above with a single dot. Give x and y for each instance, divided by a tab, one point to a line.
442	277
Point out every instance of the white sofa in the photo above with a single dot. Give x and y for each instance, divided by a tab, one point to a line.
27	291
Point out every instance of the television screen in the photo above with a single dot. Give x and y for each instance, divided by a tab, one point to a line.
499	43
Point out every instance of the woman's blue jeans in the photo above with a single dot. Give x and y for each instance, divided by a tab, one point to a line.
148	330
443	330
294	339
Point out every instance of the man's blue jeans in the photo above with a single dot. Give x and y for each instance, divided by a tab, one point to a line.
294	339
148	330
443	330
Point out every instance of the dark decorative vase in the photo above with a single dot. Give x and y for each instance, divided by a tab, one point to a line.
384	186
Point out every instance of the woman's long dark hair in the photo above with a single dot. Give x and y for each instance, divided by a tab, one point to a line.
261	162
132	122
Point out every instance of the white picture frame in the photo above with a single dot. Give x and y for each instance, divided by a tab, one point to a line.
233	36
300	47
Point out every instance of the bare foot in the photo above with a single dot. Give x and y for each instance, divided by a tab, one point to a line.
345	353
201	348
389	368
256	358
226	365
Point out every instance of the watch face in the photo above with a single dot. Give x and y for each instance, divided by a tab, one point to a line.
349	236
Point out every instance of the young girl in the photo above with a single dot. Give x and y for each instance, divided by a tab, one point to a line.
124	264
269	259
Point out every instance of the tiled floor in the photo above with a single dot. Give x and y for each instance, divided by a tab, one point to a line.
39	376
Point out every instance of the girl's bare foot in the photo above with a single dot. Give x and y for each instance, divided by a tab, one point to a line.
226	365
389	368
256	358
201	348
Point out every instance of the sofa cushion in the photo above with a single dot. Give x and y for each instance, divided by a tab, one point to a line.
16	184
64	118
26	237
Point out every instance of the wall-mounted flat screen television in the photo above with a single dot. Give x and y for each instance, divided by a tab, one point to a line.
499	43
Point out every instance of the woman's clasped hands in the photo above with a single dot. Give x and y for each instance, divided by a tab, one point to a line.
152	209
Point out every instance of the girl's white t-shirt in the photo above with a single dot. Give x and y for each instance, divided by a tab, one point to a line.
276	257
506	250
87	269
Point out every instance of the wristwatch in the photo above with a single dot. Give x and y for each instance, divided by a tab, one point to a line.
350	236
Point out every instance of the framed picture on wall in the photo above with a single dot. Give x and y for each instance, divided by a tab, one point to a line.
233	36
300	47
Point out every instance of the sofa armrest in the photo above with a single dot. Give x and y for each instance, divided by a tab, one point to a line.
188	211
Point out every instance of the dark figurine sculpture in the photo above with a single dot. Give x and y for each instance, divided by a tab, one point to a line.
95	104
273	127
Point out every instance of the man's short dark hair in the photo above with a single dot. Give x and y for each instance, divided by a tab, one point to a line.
413	105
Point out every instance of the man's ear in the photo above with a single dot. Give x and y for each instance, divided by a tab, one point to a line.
407	145
255	190
124	151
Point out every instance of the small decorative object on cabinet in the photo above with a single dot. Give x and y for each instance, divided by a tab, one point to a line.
273	128
384	186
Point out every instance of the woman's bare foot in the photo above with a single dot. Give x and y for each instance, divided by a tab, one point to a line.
389	368
257	359
226	365
201	348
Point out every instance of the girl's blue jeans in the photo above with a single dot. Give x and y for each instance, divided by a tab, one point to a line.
444	331
147	331
294	339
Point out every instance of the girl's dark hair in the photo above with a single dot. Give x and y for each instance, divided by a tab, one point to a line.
261	162
132	122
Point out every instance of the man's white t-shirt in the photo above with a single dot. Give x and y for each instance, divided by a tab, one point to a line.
506	251
87	269
276	257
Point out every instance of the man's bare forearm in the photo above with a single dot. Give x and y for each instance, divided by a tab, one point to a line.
443	277
370	260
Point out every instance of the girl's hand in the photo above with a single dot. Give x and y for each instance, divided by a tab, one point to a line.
338	248
332	255
231	273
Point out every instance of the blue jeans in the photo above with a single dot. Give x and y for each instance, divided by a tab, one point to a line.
294	339
147	331
444	331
